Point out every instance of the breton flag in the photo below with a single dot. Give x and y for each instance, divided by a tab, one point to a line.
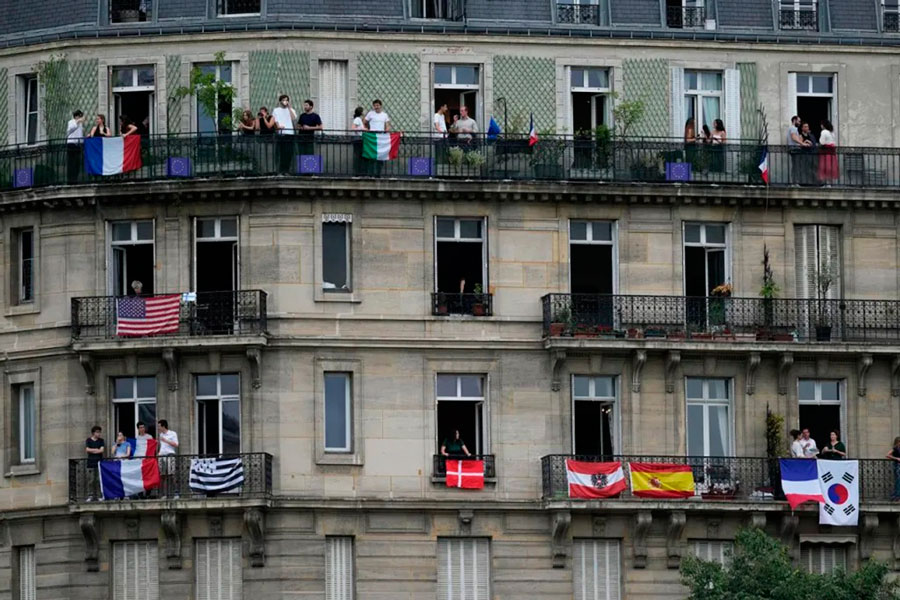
112	155
839	480
137	316
380	146
764	165
130	476
594	479
661	480
532	133
799	480
465	474
216	474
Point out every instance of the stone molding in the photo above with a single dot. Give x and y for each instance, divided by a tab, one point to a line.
642	522
90	531
562	520
255	524
674	530
171	522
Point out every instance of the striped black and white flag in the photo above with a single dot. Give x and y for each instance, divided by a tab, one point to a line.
216	474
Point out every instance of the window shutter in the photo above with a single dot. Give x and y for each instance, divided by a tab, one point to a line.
445	583
339	568
135	571
333	94
792	96
823	558
805	260
830	252
733	104
596	569
27	581
482	569
464	569
677	102
326	92
712	550
218	569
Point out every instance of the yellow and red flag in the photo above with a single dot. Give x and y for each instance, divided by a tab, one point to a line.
661	480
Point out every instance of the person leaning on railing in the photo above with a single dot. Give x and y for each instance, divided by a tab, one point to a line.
94	447
454	446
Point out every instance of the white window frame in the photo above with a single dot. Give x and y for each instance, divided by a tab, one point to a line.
134	399
812	553
462	557
26	580
222	399
585	567
27	85
705	401
144	556
218	237
707	246
613	241
596	91
794	88
712	550
818	401
26	455
347	221
464	88
594	397
133	241
339	568
457	237
134	87
228	552
348	408
483	445
697	94
227	15
25	295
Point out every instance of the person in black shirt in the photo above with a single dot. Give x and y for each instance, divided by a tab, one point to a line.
94	446
894	455
308	123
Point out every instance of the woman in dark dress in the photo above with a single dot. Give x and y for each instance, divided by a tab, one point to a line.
454	446
834	449
266	125
100	129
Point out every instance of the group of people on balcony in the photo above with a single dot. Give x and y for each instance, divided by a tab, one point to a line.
705	141
812	161
804	446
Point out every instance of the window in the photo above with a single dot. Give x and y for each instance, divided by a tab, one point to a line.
460	262
592	258
27	98
706	266
135	571
823	558
590	96
821	407
27	418
460	407
216	254
134	399
464	569
588	12
219	123
450	10
332	102
458	86
219	413
703	98
712	550
23	259
817	253
134	96
218	569
814	98
798	14
131	256
231	8
890	12
685	13
130	11
708	417
336	252
26	585
594	418
338	568
596	569
337	412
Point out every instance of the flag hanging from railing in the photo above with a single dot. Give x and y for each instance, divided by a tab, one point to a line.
380	146
661	480
839	480
465	474
216	474
112	155
130	476
799	481
594	479
137	316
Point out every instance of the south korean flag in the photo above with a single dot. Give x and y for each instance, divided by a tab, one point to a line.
839	480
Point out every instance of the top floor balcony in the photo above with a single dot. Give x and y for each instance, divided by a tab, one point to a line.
420	156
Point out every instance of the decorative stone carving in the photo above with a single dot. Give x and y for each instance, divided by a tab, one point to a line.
171	525
784	369
753	361
557	358
132	528
216	527
788	531
674	547
253	520
863	364
867	528
712	528
87	363
758	520
465	517
673	359
171	360
637	368
562	519
255	357
598	526
642	522
91	535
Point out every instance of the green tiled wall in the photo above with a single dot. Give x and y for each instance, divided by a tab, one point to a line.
4	107
750	121
528	85
648	80
393	78
173	107
59	113
263	79
84	88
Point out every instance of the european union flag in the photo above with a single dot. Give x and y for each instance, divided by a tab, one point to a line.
178	166
23	178
309	164
493	129
680	171
420	166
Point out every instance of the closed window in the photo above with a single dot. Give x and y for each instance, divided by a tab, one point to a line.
339	568
218	569
336	252
219	413
708	417
135	571
337	412
464	569
333	94
25	588
27	414
23	265
817	253
230	8
712	550
823	558
596	569
27	109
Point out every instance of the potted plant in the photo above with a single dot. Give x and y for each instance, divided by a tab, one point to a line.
442	308
456	156
718	306
775	449
583	330
478	304
559	320
768	291
474	160
824	277
546	156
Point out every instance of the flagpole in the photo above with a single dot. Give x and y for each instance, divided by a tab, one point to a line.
503	100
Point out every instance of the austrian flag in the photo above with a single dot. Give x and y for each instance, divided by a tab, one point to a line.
594	479
465	474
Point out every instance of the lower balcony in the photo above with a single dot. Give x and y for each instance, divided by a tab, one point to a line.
727	319
184	477
578	14
732	479
477	305
798	19
439	470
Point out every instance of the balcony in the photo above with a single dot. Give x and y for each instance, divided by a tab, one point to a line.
252	474
890	20
228	8
439	470
683	318
130	11
738	480
578	14
477	305
685	17
798	19
238	313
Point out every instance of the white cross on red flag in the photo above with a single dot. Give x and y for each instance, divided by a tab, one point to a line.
465	474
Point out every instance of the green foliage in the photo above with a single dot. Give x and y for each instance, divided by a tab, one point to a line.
549	148
53	77
760	568
775	447
212	95
455	156
769	288
626	114
475	159
517	123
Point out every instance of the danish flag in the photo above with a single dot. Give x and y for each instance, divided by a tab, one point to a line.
465	474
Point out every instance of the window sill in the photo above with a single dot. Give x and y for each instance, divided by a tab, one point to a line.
443	481
339	297
339	458
23	470
31	308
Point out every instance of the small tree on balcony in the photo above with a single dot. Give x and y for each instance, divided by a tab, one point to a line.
53	77
212	93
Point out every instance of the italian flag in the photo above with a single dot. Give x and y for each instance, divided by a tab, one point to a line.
380	146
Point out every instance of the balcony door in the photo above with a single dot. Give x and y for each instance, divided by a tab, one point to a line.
706	266
218	406
592	272
134	96
817	261
131	257
594	416
216	272
461	407
821	408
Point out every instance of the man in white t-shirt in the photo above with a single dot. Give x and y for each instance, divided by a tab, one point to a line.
439	123
74	141
810	450
285	116
168	448
377	119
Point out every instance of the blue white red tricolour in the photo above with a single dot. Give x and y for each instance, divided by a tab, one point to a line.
532	133
800	481
130	476
112	155
764	165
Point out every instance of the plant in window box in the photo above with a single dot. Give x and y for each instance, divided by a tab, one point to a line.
442	308
560	320
583	330
455	157
678	334
478	304
546	156
475	160
824	278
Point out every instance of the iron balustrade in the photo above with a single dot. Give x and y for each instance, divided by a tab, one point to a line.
578	13
479	305
237	7
241	312
180	157
725	319
802	19
175	478
723	478
439	469
130	11
890	22
685	17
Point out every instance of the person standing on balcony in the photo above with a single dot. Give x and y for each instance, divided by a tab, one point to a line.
168	448
834	449
137	287
309	123
454	446
141	435
828	161
74	141
717	146
100	128
285	116
265	123
247	125
810	450
358	126
122	449
94	446
377	119
466	126
795	143
894	455
126	127
439	132
808	172
796	447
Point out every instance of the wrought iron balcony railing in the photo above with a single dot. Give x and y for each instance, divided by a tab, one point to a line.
890	22
130	11
685	17
249	475
226	8
479	305
241	312
181	157
721	319
574	14
802	19
736	479
439	469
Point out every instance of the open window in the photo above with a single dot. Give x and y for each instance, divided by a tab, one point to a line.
594	416
706	267
685	14
336	264
814	99
457	86
592	278
448	10
590	97
130	11
703	98
234	8
134	96
216	256
131	256
22	261
798	15
218	413
27	115
890	16
821	403
460	407
134	399
26	416
460	269
220	122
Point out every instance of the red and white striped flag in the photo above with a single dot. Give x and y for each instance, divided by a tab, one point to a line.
147	316
594	479
465	474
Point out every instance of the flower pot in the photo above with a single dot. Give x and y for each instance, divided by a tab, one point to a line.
823	333
557	329
634	334
782	337
478	310
442	309
701	336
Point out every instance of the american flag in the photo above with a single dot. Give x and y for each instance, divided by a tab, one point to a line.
147	316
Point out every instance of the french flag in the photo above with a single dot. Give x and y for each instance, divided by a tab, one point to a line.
764	166
532	133
800	481
112	155
130	476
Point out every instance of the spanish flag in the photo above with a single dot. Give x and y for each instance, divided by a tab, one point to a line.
661	480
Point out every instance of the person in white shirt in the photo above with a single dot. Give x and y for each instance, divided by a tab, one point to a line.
439	123
140	449
810	450
796	447
377	119
285	116
74	140
168	447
